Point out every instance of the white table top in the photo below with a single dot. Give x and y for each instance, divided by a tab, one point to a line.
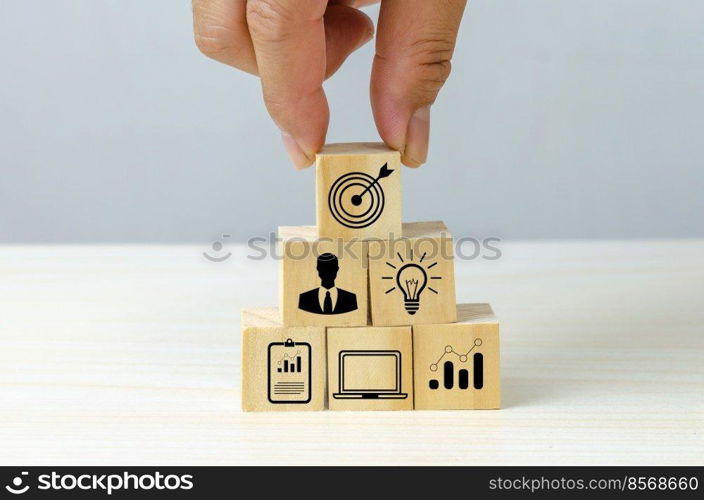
131	355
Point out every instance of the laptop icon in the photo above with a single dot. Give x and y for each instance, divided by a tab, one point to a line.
369	375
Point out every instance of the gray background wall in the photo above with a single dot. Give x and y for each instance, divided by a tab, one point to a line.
562	119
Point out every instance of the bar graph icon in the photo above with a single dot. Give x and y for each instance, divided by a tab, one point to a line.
289	372
450	380
287	365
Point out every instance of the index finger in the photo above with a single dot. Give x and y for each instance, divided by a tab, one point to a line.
289	44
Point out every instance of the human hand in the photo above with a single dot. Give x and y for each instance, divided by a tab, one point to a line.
294	45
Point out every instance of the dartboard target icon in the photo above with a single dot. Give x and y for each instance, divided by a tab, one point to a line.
356	200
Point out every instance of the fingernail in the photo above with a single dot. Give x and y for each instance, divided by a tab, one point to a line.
417	137
294	151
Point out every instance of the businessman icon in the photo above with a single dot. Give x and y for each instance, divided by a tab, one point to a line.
327	298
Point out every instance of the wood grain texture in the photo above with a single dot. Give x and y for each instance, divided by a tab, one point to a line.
261	328
469	350
299	275
364	159
372	357
424	253
120	354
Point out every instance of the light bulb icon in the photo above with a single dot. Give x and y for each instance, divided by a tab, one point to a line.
411	280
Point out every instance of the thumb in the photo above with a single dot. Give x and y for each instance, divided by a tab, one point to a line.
415	43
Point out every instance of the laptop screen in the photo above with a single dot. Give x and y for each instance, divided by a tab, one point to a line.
369	372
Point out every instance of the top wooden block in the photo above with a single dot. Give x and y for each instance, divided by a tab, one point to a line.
358	191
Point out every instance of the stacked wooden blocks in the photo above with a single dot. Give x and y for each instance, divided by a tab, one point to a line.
368	318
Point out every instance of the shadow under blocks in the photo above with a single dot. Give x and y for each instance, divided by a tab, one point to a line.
368	318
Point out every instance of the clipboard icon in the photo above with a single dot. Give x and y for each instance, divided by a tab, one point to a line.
289	372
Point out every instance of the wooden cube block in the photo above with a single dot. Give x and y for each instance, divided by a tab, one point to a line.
457	366
412	280
370	368
283	369
322	282
358	191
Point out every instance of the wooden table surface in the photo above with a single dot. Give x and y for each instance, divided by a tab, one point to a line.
131	355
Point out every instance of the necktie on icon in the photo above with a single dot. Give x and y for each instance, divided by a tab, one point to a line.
327	303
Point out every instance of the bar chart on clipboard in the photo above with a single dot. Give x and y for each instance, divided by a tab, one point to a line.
289	372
